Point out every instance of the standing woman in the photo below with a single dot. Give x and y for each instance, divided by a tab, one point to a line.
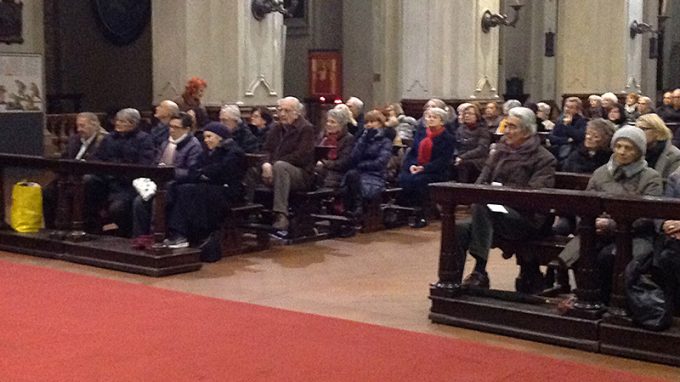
370	155
473	140
431	164
190	100
200	203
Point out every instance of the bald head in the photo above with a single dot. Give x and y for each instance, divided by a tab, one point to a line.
675	97
166	110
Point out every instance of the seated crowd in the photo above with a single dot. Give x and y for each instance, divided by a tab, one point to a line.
627	147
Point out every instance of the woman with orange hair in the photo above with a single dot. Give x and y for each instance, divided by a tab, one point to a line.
190	100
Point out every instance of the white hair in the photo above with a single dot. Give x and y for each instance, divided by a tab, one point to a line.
611	97
510	104
296	103
231	112
526	117
544	107
356	102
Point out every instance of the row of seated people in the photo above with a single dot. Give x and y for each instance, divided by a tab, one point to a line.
521	162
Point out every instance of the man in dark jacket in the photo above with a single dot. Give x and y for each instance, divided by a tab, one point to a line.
518	161
570	130
127	144
181	150
81	146
290	164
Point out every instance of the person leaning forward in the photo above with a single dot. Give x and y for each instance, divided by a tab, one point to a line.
290	163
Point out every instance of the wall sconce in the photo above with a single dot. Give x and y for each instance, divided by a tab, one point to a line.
640	28
260	8
490	20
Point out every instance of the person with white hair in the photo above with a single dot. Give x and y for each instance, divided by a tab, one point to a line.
520	161
609	99
594	109
356	106
127	144
543	114
645	105
290	159
230	116
427	162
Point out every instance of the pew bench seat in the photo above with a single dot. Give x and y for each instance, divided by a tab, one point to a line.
240	233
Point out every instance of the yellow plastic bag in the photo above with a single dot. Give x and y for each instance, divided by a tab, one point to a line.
27	212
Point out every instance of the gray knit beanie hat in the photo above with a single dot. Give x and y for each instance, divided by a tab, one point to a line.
634	134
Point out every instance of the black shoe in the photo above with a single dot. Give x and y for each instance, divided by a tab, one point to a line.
477	280
419	223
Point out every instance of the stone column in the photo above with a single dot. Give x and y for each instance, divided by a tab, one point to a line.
220	41
595	49
445	54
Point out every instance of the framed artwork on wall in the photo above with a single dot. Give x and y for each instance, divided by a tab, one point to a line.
325	74
21	83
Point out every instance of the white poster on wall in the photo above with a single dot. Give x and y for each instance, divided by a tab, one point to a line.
21	83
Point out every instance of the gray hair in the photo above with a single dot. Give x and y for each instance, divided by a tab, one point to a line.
437	103
543	107
461	108
232	112
296	102
527	118
595	97
439	112
356	102
610	97
91	117
129	114
339	116
511	104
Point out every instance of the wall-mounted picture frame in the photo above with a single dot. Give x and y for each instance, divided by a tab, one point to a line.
325	74
21	83
11	22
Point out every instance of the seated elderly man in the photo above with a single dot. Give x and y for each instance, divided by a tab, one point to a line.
230	116
570	130
81	146
290	162
518	161
126	144
492	116
164	111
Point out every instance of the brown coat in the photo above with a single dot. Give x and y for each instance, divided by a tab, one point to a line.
292	143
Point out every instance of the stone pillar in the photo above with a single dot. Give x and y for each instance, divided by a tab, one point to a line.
595	49
444	52
220	41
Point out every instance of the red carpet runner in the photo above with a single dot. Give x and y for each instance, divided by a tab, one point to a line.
59	326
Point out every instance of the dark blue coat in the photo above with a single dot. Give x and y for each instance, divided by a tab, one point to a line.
576	131
245	138
133	147
442	152
225	166
160	134
370	156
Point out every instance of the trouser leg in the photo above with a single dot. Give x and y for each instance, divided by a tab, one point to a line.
287	178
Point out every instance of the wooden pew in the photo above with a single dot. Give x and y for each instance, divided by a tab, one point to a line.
584	325
101	251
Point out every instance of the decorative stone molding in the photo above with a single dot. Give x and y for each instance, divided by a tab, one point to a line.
256	83
484	90
632	85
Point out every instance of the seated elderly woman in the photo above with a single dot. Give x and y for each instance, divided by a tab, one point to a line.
200	200
645	105
333	167
595	151
594	109
403	124
368	165
661	155
626	173
543	117
519	161
617	115
472	145
427	162
230	116
507	106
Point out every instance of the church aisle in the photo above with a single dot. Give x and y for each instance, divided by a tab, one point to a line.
380	278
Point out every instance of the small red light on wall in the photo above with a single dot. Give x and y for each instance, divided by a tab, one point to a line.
322	99
337	101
